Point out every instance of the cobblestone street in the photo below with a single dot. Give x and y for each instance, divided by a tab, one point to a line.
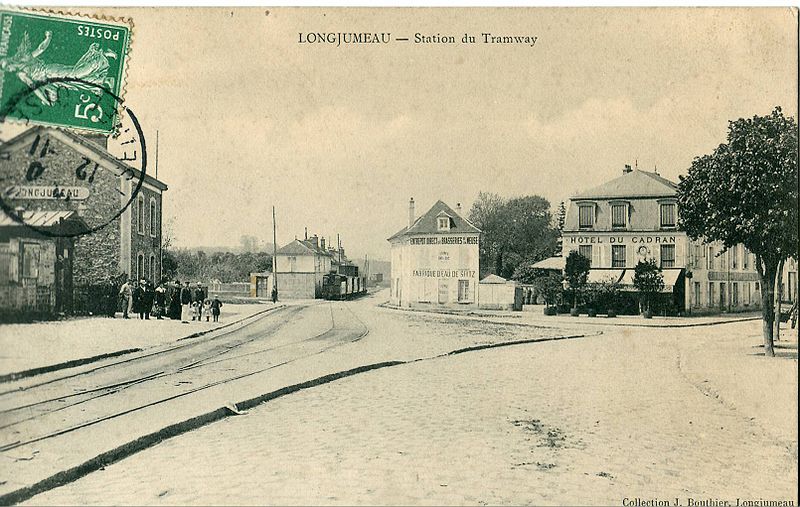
625	414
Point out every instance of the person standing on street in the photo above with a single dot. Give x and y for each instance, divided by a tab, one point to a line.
199	298
175	301
186	302
161	301
138	298
126	291
216	304
149	296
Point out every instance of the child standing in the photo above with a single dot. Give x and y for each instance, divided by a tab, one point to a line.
207	309
216	304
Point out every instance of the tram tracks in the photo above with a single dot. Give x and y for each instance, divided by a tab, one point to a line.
199	369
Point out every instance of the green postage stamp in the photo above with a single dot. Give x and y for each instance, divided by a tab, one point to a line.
62	70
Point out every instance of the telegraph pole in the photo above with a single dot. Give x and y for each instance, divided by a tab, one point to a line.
274	260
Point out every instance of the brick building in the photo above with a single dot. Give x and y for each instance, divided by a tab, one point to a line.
53	170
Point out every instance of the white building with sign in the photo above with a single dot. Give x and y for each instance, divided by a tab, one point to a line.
635	217
435	259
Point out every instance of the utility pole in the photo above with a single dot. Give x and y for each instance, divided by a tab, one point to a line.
274	260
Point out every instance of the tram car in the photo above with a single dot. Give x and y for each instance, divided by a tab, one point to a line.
344	284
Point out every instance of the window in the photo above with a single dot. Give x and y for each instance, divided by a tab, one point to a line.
745	258
617	256
710	258
152	268
140	215
722	294
586	251
734	257
463	291
619	216
444	223
696	294
710	294
668	215
586	216
30	260
792	278
139	266
444	290
667	256
292	264
748	295
152	217
735	295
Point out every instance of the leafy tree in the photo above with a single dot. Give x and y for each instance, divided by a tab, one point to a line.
746	192
515	231
648	280
169	265
576	271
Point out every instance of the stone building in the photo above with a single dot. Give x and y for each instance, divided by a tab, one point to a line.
54	170
435	259
635	217
300	266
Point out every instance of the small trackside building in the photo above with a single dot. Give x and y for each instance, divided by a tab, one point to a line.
435	260
300	266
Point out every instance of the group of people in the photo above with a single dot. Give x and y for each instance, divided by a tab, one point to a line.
174	301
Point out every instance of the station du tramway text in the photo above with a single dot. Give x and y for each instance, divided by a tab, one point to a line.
350	38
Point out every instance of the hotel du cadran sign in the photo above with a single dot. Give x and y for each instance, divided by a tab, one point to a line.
55	192
622	240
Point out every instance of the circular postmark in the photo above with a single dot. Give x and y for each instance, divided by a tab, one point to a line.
65	175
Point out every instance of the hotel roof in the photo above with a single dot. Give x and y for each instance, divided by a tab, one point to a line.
635	183
427	223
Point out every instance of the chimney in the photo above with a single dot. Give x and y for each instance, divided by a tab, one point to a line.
411	212
306	233
322	243
458	208
627	169
341	253
315	240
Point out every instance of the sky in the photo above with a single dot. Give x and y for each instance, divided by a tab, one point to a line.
339	138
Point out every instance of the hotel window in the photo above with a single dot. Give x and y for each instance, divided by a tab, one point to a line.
463	291
667	256
619	216
586	251
617	256
710	294
152	268
734	257
748	295
152	217
745	258
30	260
668	215
586	216
735	295
710	258
140	215
444	223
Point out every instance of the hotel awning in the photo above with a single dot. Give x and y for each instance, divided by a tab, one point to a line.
670	275
57	222
604	275
554	263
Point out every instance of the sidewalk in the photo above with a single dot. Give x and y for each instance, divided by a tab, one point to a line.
534	315
51	344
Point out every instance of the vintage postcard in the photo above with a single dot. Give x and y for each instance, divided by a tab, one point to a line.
399	256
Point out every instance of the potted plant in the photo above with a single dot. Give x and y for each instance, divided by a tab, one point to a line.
649	281
549	286
576	270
